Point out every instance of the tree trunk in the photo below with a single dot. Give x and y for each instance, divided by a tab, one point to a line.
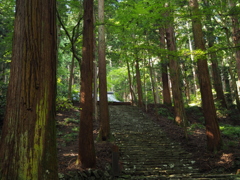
152	81
226	71
157	93
71	78
214	141
95	83
234	95
186	83
145	86
164	67
130	83
153	85
236	38
180	116
86	155
194	85
236	41
217	82
139	85
103	103
28	142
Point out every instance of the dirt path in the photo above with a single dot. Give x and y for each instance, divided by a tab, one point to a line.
146	152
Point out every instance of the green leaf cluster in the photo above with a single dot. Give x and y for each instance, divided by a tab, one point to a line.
63	104
230	131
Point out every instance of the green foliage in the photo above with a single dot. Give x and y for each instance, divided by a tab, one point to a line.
166	113
230	131
63	104
110	139
76	129
195	99
75	93
62	88
71	120
195	126
70	16
193	110
70	136
229	144
221	112
118	82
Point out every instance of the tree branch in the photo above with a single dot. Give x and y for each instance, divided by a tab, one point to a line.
73	38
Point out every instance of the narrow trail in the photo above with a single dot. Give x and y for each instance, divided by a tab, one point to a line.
147	153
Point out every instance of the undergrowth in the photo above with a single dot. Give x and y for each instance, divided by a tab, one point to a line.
63	104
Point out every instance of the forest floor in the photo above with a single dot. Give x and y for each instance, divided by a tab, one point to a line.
226	160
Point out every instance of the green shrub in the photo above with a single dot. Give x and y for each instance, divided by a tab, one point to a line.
193	127
63	104
165	112
196	126
230	131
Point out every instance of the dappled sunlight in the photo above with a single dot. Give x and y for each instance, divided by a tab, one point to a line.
226	159
178	119
70	154
95	131
82	97
210	135
199	132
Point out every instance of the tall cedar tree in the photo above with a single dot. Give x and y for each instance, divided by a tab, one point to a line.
236	40
86	155
214	141
103	103
180	116
216	76
236	34
28	142
164	67
139	83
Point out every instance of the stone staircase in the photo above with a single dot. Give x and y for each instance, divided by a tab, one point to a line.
147	153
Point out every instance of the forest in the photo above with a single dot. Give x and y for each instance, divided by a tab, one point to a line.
176	61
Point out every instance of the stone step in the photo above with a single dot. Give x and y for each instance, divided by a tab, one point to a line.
147	153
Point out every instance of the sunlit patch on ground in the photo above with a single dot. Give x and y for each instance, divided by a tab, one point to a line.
70	154
226	159
199	132
59	114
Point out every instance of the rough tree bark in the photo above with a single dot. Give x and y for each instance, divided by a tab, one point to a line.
103	103
28	142
86	155
236	34
217	81
236	41
214	141
180	116
139	85
164	67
